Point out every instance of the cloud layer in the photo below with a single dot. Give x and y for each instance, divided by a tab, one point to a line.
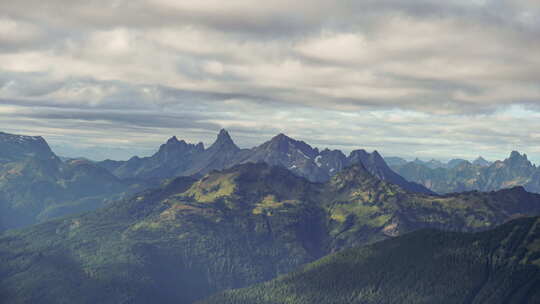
413	78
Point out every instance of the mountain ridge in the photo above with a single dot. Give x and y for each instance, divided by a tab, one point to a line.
281	150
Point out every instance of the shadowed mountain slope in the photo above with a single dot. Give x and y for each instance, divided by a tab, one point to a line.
428	266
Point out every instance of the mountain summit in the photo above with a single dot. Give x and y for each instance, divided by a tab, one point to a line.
482	162
224	142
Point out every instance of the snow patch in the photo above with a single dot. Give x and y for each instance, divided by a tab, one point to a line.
303	154
318	161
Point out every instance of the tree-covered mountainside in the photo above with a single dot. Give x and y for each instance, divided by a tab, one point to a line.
178	158
229	229
480	175
427	266
35	185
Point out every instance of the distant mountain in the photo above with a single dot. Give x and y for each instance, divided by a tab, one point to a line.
20	147
229	229
395	161
481	175
184	159
481	162
428	266
172	159
432	164
36	185
453	163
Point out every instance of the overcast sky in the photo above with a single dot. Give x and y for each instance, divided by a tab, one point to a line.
426	78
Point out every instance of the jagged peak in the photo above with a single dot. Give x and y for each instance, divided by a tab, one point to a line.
328	151
358	153
283	143
172	140
224	133
376	154
516	155
480	161
223	139
516	158
363	155
281	138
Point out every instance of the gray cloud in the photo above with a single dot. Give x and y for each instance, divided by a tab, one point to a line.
423	77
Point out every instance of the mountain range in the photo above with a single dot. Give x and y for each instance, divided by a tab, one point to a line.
516	170
395	162
178	158
228	229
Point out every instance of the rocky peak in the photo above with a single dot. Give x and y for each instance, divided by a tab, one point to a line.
224	141
517	155
517	159
173	144
371	160
377	157
482	162
173	140
284	144
175	149
359	154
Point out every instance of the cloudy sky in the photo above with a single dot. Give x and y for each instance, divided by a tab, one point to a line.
423	78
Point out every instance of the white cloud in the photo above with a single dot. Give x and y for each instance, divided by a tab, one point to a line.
16	31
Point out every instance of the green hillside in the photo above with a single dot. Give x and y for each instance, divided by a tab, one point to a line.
230	229
428	266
